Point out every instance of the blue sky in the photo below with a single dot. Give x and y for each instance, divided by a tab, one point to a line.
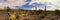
28	7
31	4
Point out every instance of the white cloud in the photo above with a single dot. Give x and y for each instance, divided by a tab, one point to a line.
11	3
37	8
55	4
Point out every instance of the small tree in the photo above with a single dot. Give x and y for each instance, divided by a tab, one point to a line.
39	12
8	9
57	12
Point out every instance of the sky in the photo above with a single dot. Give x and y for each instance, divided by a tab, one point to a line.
31	4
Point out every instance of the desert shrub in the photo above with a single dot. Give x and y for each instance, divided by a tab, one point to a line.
6	9
57	12
39	12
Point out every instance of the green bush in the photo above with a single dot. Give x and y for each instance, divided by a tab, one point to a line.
57	12
39	12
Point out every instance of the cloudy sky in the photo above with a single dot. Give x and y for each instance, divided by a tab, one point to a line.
31	4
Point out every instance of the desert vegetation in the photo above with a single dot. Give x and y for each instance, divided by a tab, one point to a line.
31	14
